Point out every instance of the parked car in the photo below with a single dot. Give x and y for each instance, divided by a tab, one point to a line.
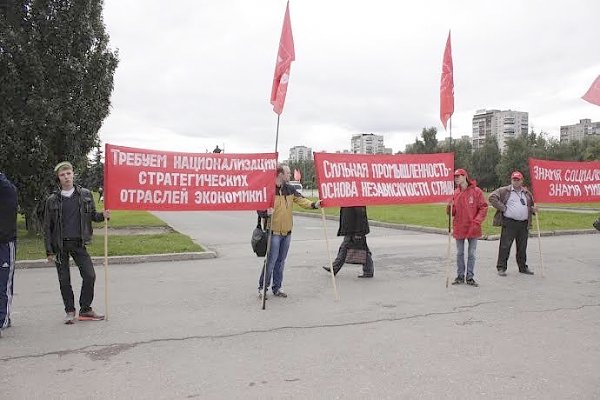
297	185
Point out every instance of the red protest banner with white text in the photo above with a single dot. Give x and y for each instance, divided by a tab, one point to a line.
365	179
565	181
140	179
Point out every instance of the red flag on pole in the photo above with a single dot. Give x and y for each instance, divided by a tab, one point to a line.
447	85
297	175
593	94
285	56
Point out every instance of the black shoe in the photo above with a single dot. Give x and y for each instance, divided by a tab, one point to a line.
459	280
502	272
472	282
365	275
526	271
335	270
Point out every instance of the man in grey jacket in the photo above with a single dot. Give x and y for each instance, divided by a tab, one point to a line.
515	206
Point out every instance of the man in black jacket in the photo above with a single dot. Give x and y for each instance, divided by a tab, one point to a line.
67	229
8	238
354	226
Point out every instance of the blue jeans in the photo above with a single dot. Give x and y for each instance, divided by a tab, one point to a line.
277	255
460	257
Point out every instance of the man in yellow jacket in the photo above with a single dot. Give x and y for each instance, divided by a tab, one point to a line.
281	224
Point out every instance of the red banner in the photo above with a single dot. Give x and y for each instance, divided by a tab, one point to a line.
139	179
565	181
365	179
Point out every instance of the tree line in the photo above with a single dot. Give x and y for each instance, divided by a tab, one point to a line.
491	168
56	79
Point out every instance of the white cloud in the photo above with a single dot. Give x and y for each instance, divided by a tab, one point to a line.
199	73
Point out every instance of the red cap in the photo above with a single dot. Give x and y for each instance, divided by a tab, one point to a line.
517	175
460	171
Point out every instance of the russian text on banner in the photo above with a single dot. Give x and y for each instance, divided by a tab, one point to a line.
565	181
365	179
140	179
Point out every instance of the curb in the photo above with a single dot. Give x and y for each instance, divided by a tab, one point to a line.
440	231
114	260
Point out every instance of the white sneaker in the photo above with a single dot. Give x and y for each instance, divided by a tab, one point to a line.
70	318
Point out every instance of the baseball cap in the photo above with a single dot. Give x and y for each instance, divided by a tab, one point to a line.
460	171
517	175
62	164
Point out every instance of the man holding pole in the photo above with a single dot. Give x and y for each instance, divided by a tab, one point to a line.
515	206
68	218
8	240
281	221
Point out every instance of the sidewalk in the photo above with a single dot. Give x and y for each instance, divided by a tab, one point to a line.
195	329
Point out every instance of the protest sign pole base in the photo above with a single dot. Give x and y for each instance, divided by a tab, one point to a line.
537	222
448	260
106	269
335	291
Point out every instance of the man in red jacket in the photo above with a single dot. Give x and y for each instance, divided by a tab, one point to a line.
469	210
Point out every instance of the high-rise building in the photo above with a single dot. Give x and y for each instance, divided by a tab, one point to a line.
502	125
585	128
299	153
368	143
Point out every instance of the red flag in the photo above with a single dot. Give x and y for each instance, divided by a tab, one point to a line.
285	56
297	175
447	85
593	94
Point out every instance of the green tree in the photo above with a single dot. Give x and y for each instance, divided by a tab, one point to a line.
428	145
485	160
592	149
307	170
517	154
92	177
463	152
56	78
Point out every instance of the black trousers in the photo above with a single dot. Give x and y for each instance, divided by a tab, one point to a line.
513	231
341	256
76	249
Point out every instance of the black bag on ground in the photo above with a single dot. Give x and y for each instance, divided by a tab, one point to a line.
259	240
357	251
596	224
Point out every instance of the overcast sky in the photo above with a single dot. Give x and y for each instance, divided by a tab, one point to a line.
197	73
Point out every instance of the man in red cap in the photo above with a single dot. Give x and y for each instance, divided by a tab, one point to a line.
469	210
515	206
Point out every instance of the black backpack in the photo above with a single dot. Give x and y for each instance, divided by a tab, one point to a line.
259	240
596	224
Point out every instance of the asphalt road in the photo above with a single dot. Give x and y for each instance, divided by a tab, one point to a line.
195	329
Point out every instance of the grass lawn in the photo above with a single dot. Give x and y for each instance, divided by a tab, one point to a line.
434	215
31	247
